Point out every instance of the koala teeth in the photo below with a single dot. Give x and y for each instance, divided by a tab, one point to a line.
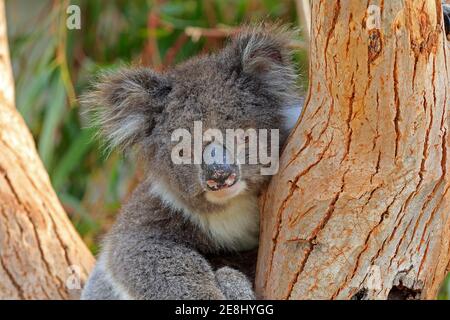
212	184
215	186
230	180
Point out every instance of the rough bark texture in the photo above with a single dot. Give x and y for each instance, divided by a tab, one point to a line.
361	206
37	241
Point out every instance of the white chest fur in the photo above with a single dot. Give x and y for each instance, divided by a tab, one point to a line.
236	227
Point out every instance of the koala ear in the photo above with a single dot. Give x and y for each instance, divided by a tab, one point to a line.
124	104
265	53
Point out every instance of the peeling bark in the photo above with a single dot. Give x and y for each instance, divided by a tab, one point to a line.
38	244
361	206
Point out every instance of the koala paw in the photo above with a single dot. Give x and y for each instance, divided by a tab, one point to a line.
234	284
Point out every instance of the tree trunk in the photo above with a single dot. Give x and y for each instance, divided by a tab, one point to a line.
41	255
361	206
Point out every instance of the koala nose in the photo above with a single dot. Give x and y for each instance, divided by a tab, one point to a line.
219	171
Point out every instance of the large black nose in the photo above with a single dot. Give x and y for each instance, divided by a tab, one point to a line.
219	171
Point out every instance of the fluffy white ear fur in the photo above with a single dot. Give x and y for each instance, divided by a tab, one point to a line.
124	103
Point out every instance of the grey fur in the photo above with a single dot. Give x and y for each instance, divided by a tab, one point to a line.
162	243
446	12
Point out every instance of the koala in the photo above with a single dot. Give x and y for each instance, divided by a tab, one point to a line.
446	12
190	231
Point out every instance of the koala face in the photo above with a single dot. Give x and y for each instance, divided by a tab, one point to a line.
248	85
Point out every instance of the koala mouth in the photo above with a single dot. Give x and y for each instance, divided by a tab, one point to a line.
216	185
224	194
220	174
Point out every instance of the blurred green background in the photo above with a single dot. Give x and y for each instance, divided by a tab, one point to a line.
53	66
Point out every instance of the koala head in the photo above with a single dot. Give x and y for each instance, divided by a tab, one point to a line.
250	84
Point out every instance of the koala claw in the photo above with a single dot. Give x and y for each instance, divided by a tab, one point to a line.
234	284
